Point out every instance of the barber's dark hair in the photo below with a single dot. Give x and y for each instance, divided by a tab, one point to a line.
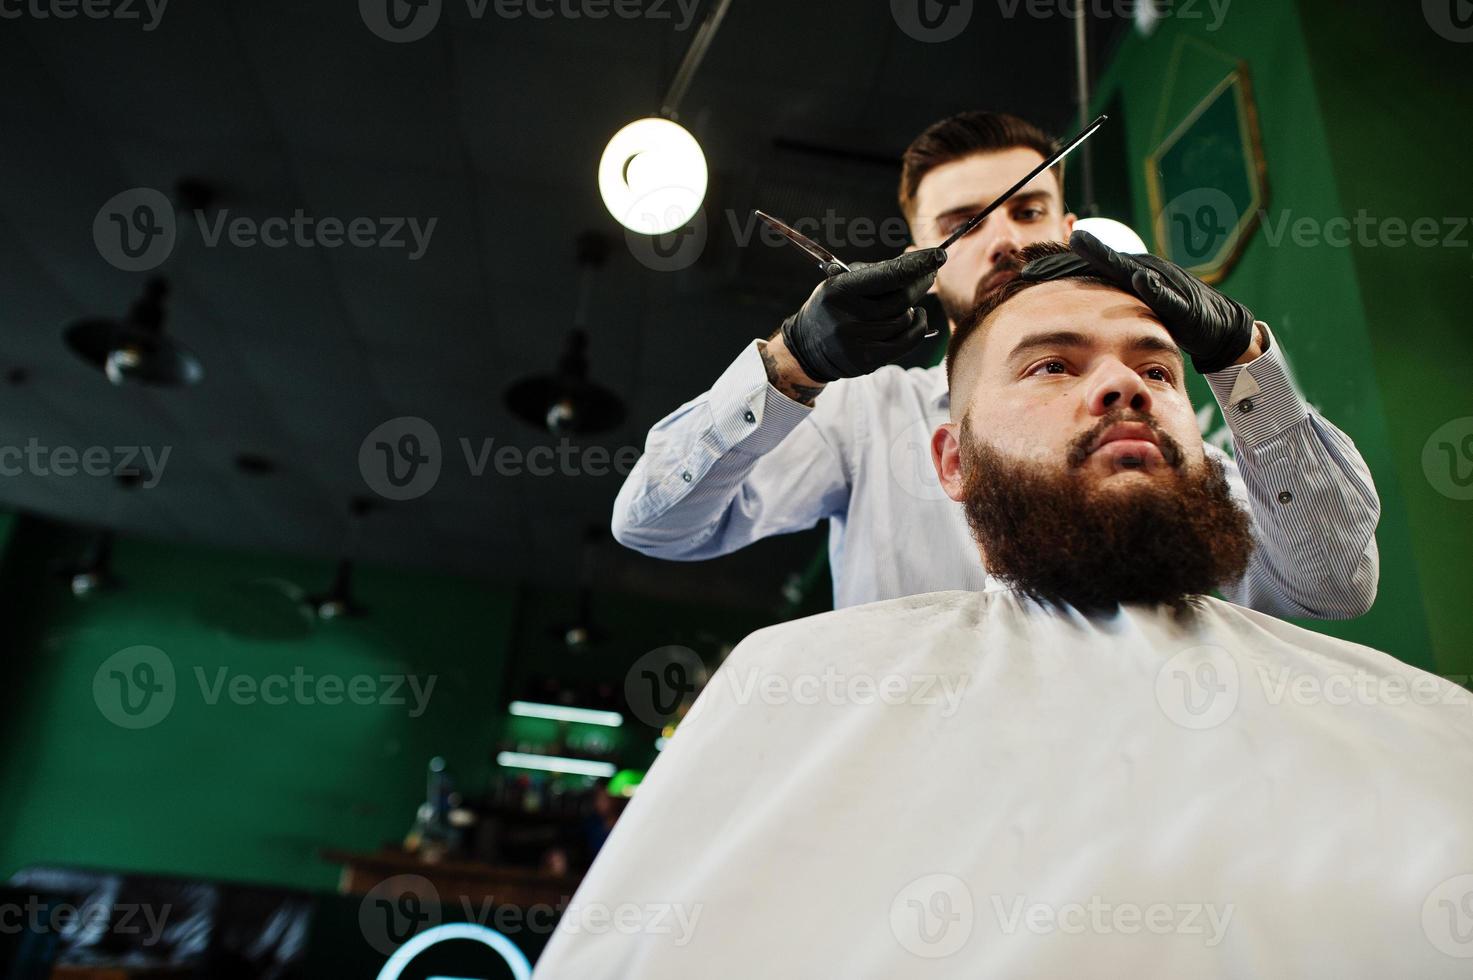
972	323
961	136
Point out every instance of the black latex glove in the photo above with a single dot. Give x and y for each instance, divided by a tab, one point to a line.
863	319
1213	329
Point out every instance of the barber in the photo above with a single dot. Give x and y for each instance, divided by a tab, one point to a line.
817	422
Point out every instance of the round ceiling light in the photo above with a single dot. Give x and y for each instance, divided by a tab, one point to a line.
653	176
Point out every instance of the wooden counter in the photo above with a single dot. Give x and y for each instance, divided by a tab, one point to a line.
454	880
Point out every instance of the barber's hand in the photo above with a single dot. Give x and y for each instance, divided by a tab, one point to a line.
1215	330
863	319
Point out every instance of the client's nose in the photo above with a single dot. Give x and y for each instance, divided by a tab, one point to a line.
1116	386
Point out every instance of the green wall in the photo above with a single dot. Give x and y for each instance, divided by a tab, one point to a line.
232	790
1353	352
253	791
1398	131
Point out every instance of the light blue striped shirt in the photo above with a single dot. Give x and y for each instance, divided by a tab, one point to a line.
743	461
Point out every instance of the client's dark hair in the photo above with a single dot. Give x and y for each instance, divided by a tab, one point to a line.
988	304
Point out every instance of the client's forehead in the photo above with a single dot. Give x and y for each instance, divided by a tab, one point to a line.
1101	314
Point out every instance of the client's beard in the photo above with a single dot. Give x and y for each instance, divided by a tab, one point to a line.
958	308
1047	532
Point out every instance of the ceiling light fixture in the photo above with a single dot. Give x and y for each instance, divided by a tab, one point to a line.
653	175
93	572
567	402
338	602
135	349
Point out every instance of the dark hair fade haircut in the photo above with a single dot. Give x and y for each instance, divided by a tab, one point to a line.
988	304
961	136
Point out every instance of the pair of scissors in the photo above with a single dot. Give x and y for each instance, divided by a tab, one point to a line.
826	260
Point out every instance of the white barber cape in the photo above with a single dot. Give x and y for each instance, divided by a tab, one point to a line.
964	784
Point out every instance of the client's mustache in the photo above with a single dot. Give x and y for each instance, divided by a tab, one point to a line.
1084	444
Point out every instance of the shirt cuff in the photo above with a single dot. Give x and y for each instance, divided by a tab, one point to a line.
1258	399
747	412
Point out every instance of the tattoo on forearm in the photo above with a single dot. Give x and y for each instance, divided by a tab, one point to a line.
803	394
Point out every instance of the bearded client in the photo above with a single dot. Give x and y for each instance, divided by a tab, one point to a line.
1086	768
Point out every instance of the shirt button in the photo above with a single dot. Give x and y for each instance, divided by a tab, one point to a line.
1245	406
1286	497
685	476
749	416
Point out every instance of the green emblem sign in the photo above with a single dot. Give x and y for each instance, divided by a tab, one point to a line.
1207	181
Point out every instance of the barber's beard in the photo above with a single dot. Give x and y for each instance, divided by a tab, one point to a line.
1045	530
957	308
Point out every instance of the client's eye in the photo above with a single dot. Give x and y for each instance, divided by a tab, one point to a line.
1051	367
1159	374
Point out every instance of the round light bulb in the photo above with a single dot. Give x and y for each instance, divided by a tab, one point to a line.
1118	235
653	176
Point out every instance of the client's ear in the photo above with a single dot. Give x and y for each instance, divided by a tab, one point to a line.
946	456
